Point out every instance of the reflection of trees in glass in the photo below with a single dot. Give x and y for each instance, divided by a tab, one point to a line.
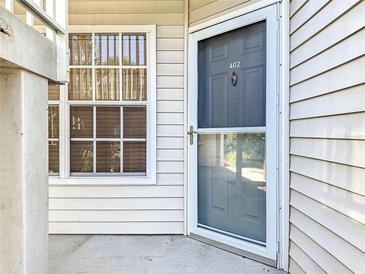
134	84
53	157
77	124
80	86
81	121
107	49
107	156
107	84
115	152
251	147
134	50
80	49
52	122
86	153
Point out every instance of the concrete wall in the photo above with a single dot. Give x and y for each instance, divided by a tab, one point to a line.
11	232
131	209
23	172
327	130
24	47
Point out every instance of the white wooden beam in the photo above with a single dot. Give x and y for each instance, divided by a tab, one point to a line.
50	10
9	5
35	8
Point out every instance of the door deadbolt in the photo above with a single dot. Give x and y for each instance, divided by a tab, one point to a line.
234	78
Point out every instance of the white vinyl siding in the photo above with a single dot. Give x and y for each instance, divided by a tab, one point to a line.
327	130
94	208
203	10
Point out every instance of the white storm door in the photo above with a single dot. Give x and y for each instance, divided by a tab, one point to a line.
233	138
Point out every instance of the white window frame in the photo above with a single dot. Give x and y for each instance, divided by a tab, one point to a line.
65	176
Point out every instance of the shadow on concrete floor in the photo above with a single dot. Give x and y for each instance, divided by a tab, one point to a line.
144	254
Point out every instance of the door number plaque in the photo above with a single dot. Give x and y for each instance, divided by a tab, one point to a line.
235	64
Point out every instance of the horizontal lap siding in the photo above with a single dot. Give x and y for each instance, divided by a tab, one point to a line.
327	130
118	209
203	10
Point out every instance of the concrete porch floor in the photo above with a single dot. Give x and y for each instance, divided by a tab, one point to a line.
144	254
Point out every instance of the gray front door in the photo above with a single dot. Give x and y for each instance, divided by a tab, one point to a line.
231	146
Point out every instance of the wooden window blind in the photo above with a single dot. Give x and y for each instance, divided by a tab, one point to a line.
107	49
80	86
107	122
81	122
134	49
81	157
134	122
134	155
107	84
134	84
108	157
54	92
80	46
53	130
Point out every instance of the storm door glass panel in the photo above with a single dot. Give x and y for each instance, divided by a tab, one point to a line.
80	85
134	84
106	49
232	186
107	84
80	46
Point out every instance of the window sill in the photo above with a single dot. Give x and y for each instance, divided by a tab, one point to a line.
121	180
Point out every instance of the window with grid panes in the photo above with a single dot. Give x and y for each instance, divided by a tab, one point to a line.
107	98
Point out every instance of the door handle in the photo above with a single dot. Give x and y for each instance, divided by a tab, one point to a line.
191	134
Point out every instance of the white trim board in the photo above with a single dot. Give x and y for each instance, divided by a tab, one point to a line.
111	28
239	12
186	144
283	190
210	29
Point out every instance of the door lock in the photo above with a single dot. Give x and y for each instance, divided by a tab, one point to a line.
191	134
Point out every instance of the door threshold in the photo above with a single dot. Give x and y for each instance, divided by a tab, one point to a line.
232	235
234	250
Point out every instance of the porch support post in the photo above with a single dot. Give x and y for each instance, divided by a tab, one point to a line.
23	172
